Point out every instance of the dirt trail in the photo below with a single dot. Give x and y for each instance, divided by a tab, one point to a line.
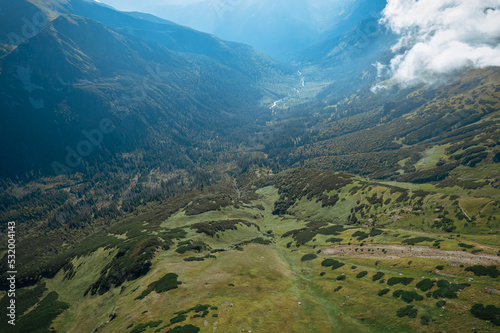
394	251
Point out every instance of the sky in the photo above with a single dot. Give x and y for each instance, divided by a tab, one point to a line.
437	38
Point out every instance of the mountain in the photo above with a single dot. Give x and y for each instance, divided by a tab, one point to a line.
155	178
293	24
77	71
303	243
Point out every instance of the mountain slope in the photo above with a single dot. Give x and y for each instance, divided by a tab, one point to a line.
418	134
240	57
75	72
316	248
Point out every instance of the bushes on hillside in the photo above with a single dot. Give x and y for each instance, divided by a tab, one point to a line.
425	284
409	311
308	257
396	280
480	270
488	312
334	264
378	276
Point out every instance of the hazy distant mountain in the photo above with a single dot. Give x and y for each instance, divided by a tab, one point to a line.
276	27
74	71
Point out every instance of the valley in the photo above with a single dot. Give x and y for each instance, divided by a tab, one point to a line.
262	258
162	179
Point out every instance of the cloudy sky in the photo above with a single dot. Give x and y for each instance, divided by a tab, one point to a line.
436	37
441	37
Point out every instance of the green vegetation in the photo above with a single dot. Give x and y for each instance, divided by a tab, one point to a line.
416	240
309	257
139	328
25	298
334	240
425	284
409	311
410	296
488	312
396	280
213	228
208	256
178	319
448	289
383	292
361	274
312	229
377	276
184	329
481	270
425	320
440	303
166	283
333	263
40	318
192	246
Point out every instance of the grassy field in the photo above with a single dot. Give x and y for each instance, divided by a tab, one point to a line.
243	268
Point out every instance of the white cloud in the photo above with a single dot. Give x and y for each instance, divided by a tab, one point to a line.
442	37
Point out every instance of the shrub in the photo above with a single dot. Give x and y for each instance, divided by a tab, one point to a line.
377	276
413	241
194	259
341	277
383	292
403	280
425	284
489	312
466	246
178	319
480	270
447	289
309	257
360	235
409	311
425	320
410	296
40	318
139	328
312	229
192	246
334	264
441	303
375	232
184	329
440	267
361	274
338	288
328	262
166	283
212	228
334	240
397	293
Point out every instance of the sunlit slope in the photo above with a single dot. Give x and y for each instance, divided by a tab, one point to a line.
249	254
